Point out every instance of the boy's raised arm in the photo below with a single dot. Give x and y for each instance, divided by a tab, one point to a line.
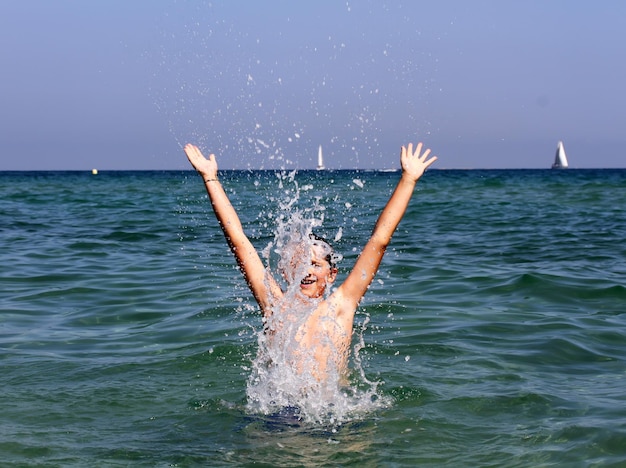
414	163
247	257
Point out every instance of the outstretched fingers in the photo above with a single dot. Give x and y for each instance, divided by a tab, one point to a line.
193	153
414	163
199	162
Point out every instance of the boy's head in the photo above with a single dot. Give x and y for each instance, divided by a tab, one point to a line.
310	263
320	270
326	249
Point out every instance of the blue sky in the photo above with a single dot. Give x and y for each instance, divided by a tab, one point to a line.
122	84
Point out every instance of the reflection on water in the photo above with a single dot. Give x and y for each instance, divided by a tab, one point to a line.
288	442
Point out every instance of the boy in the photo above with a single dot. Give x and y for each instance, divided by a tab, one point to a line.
315	343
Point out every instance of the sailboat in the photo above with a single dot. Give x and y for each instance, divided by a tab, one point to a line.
320	159
560	160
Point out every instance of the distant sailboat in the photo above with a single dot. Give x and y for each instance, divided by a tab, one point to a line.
560	160
320	159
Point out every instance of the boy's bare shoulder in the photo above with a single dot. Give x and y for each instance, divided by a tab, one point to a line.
340	305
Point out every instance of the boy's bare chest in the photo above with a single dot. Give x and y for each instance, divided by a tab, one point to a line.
317	326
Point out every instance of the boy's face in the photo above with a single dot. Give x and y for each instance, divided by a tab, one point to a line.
319	274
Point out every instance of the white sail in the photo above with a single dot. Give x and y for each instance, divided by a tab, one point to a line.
560	160
320	159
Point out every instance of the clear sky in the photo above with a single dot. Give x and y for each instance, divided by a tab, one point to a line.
119	84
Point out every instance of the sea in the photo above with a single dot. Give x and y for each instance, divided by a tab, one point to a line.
494	334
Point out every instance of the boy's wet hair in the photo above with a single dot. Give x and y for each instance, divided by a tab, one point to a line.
331	256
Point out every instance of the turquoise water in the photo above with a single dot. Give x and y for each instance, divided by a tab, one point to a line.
496	326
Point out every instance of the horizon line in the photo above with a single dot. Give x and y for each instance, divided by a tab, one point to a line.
318	170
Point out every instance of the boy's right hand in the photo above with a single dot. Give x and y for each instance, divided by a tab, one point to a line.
206	167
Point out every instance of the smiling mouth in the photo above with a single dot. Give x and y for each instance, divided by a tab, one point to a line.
307	281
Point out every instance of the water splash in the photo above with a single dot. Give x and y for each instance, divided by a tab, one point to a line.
288	372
